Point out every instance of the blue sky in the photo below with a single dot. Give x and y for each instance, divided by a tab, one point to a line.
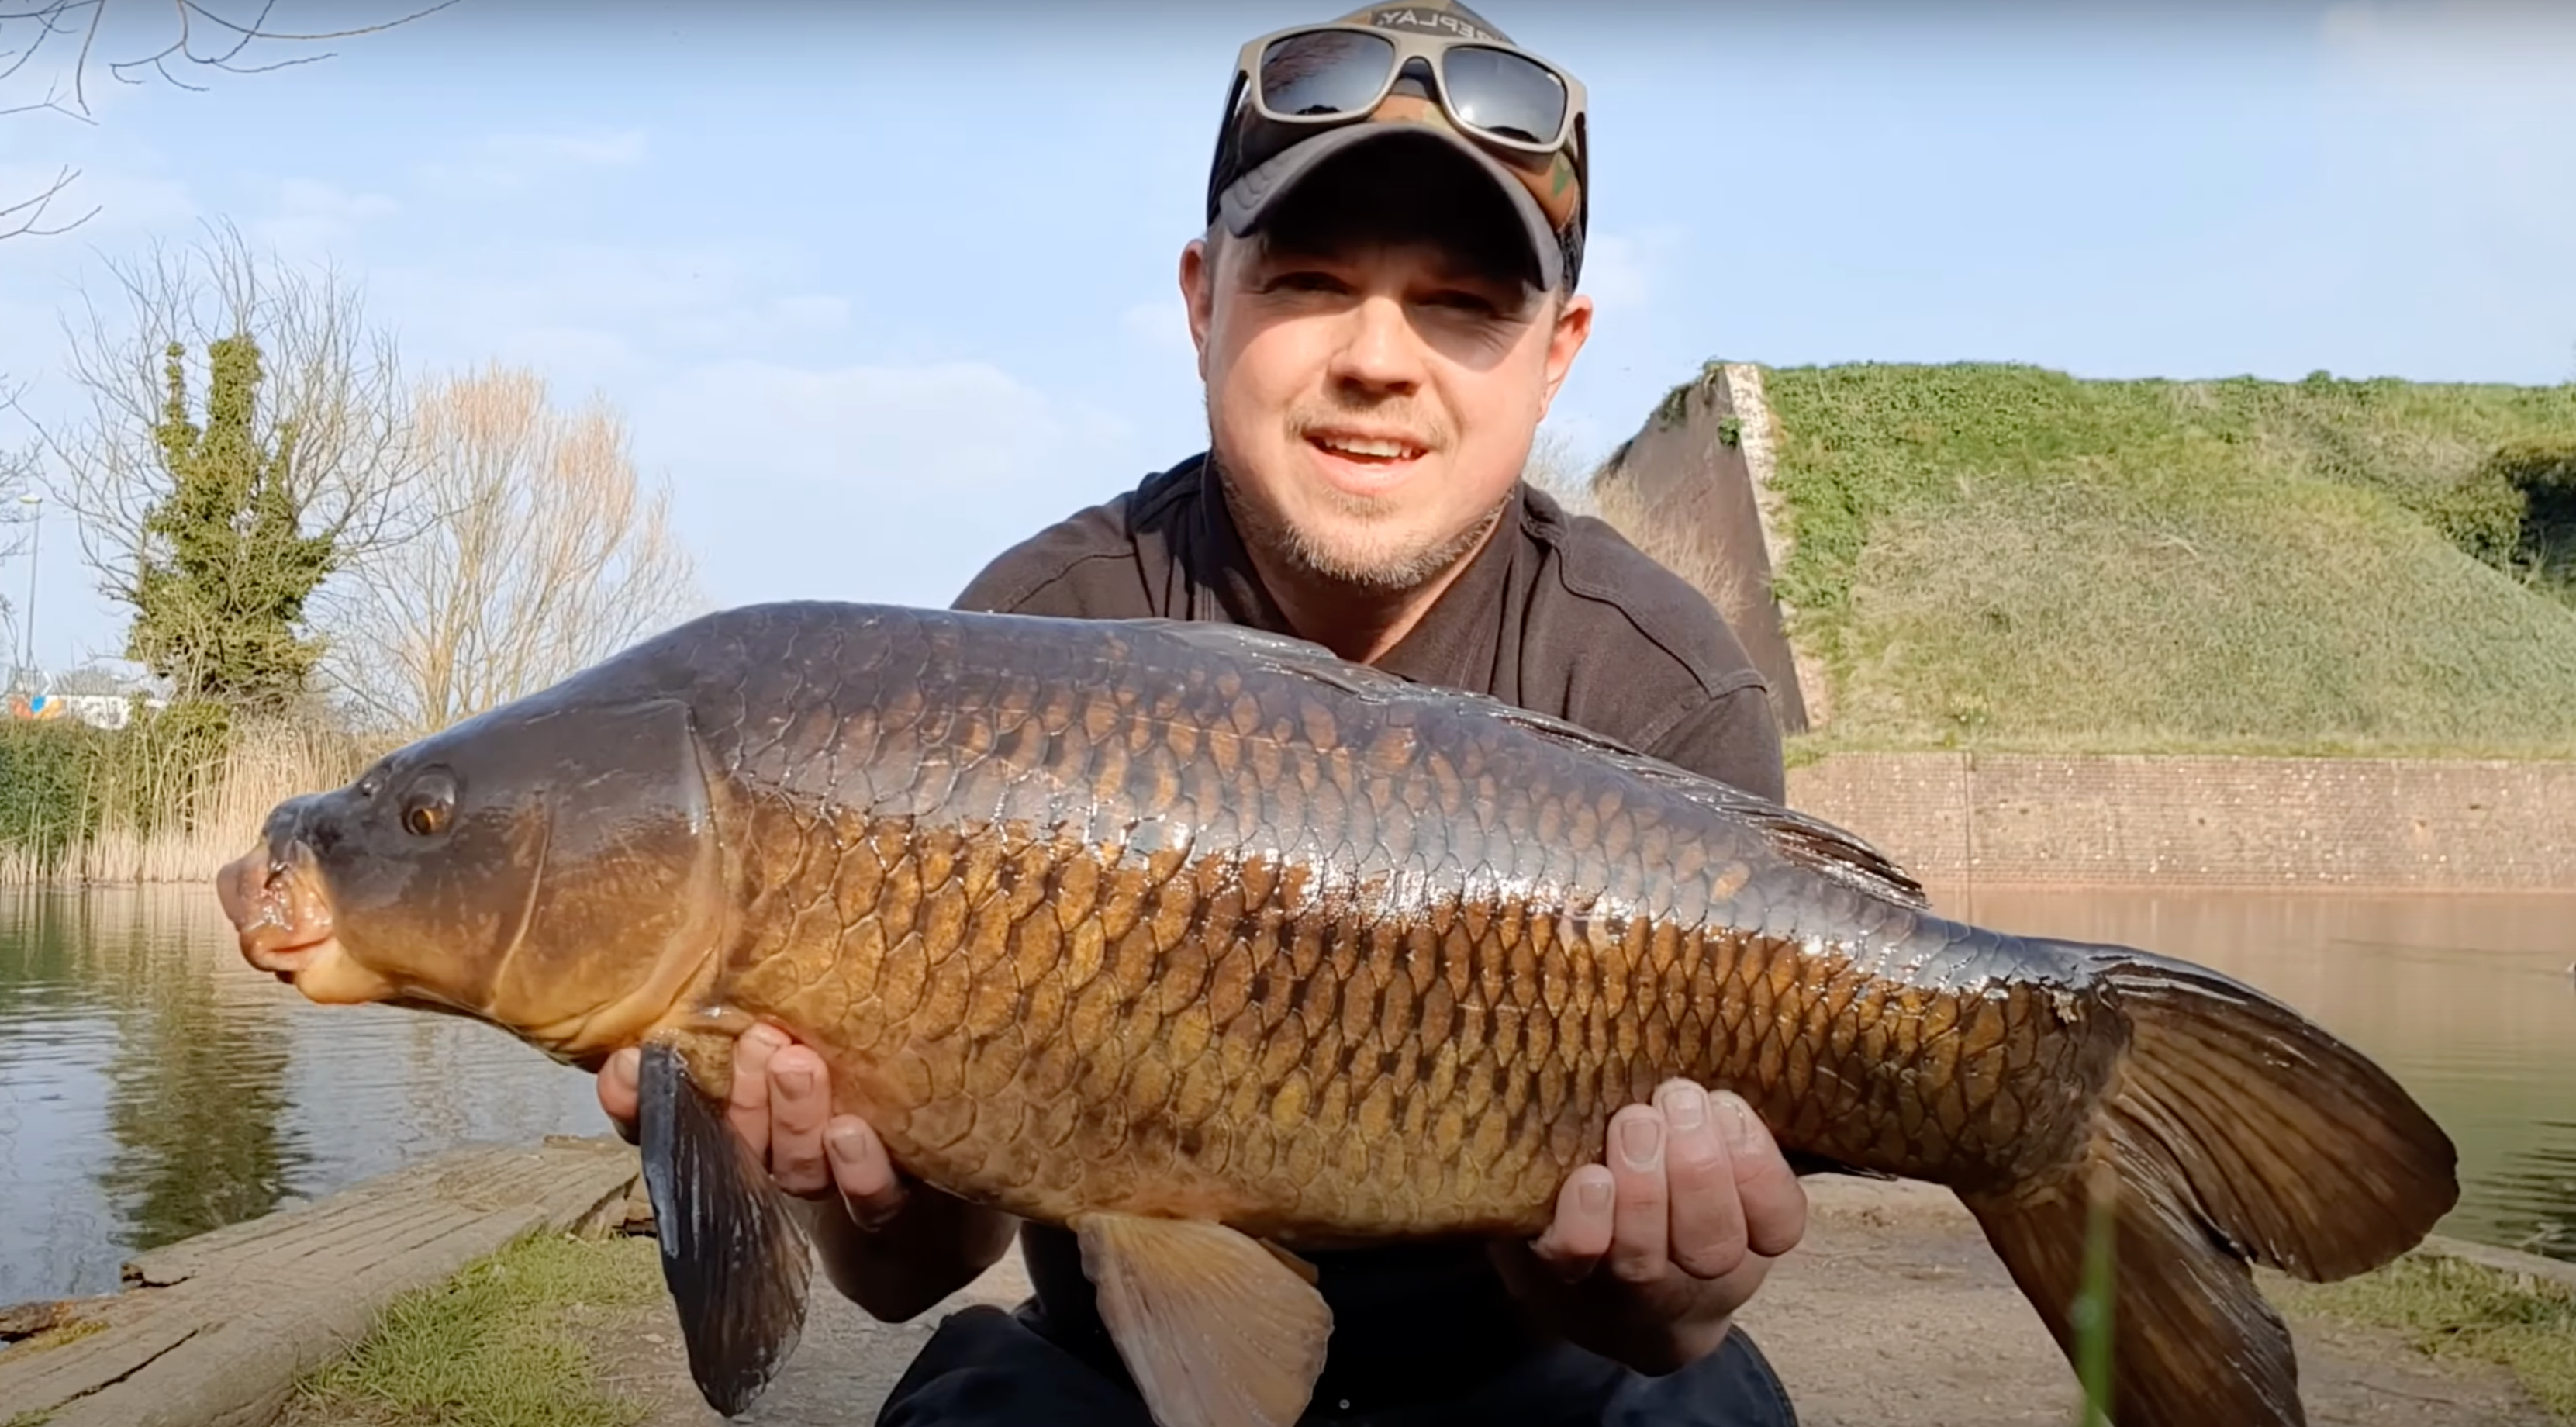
881	290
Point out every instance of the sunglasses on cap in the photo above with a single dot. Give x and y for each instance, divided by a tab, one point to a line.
1318	75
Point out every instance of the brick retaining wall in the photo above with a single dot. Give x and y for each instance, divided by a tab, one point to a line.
2029	819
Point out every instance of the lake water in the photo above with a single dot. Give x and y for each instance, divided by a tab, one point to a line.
152	1085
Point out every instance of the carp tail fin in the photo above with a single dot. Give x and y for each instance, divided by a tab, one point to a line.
2234	1131
733	1255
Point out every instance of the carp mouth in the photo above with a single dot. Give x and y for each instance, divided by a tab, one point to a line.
281	916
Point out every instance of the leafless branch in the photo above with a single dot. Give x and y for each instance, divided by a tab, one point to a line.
545	555
39	23
327	374
25	214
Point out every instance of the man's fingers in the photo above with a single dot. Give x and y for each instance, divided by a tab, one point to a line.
748	1108
1707	1227
1774	1202
1639	1209
617	1083
1579	1235
862	1171
800	1100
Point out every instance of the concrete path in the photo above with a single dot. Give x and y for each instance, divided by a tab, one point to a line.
1893	1310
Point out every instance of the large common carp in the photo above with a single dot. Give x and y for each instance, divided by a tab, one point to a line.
1213	948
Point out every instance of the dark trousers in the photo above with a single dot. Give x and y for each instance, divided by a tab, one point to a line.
990	1368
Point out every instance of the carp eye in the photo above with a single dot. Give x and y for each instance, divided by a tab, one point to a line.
428	805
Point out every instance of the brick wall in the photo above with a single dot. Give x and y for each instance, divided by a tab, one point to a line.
2193	821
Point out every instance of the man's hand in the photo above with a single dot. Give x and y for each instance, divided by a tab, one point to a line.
902	1246
782	1108
1651	1255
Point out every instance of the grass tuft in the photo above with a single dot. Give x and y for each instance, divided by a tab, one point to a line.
491	1347
2448	1307
56	1336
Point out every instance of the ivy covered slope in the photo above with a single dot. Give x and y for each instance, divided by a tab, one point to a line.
2011	556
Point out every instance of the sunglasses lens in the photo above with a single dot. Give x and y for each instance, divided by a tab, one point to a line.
1504	94
1325	73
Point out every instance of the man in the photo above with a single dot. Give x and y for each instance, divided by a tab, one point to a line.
1383	307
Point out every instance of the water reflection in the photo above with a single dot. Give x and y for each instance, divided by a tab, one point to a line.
2465	999
153	1086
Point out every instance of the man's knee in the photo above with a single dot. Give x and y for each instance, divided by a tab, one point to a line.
985	1367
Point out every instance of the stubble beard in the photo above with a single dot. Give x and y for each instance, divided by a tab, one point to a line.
1365	566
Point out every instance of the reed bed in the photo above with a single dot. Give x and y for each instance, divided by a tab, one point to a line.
154	803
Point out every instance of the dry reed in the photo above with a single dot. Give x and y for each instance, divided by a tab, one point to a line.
204	810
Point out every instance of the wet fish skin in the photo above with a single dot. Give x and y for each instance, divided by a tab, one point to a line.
1268	1001
1106	924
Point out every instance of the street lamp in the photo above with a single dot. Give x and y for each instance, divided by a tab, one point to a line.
35	546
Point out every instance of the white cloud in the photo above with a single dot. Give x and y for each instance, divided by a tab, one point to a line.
2467	55
512	163
313	217
811	311
1163	325
892	483
2486	104
1620	270
618	150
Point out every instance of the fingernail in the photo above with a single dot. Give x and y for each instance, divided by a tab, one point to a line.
795	1081
1738	1120
1638	1139
769	1037
1594	1195
1685	1107
845	1143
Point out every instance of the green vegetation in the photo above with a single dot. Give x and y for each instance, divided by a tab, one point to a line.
2451	1308
170	796
61	1333
493	1346
2016	558
226	568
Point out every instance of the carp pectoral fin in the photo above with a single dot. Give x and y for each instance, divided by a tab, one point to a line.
1218	1329
735	1259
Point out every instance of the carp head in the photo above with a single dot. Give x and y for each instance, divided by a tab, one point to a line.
554	869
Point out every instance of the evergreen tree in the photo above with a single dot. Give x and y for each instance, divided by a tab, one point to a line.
219	595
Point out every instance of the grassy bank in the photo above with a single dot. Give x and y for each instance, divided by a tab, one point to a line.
2450	1308
169	798
496	1346
2012	556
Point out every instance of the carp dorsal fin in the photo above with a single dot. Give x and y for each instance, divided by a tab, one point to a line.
1218	1329
733	1256
1808	841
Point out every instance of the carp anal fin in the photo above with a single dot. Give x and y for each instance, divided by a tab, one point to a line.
1218	1329
735	1259
2233	1132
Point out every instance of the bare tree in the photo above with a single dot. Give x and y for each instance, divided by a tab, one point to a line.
1554	468
330	393
17	478
198	39
546	555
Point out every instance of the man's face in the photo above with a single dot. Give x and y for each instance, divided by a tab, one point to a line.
1371	406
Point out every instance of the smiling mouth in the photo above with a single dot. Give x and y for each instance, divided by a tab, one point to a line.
1367	452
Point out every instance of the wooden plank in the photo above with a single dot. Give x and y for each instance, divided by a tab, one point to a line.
219	1325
